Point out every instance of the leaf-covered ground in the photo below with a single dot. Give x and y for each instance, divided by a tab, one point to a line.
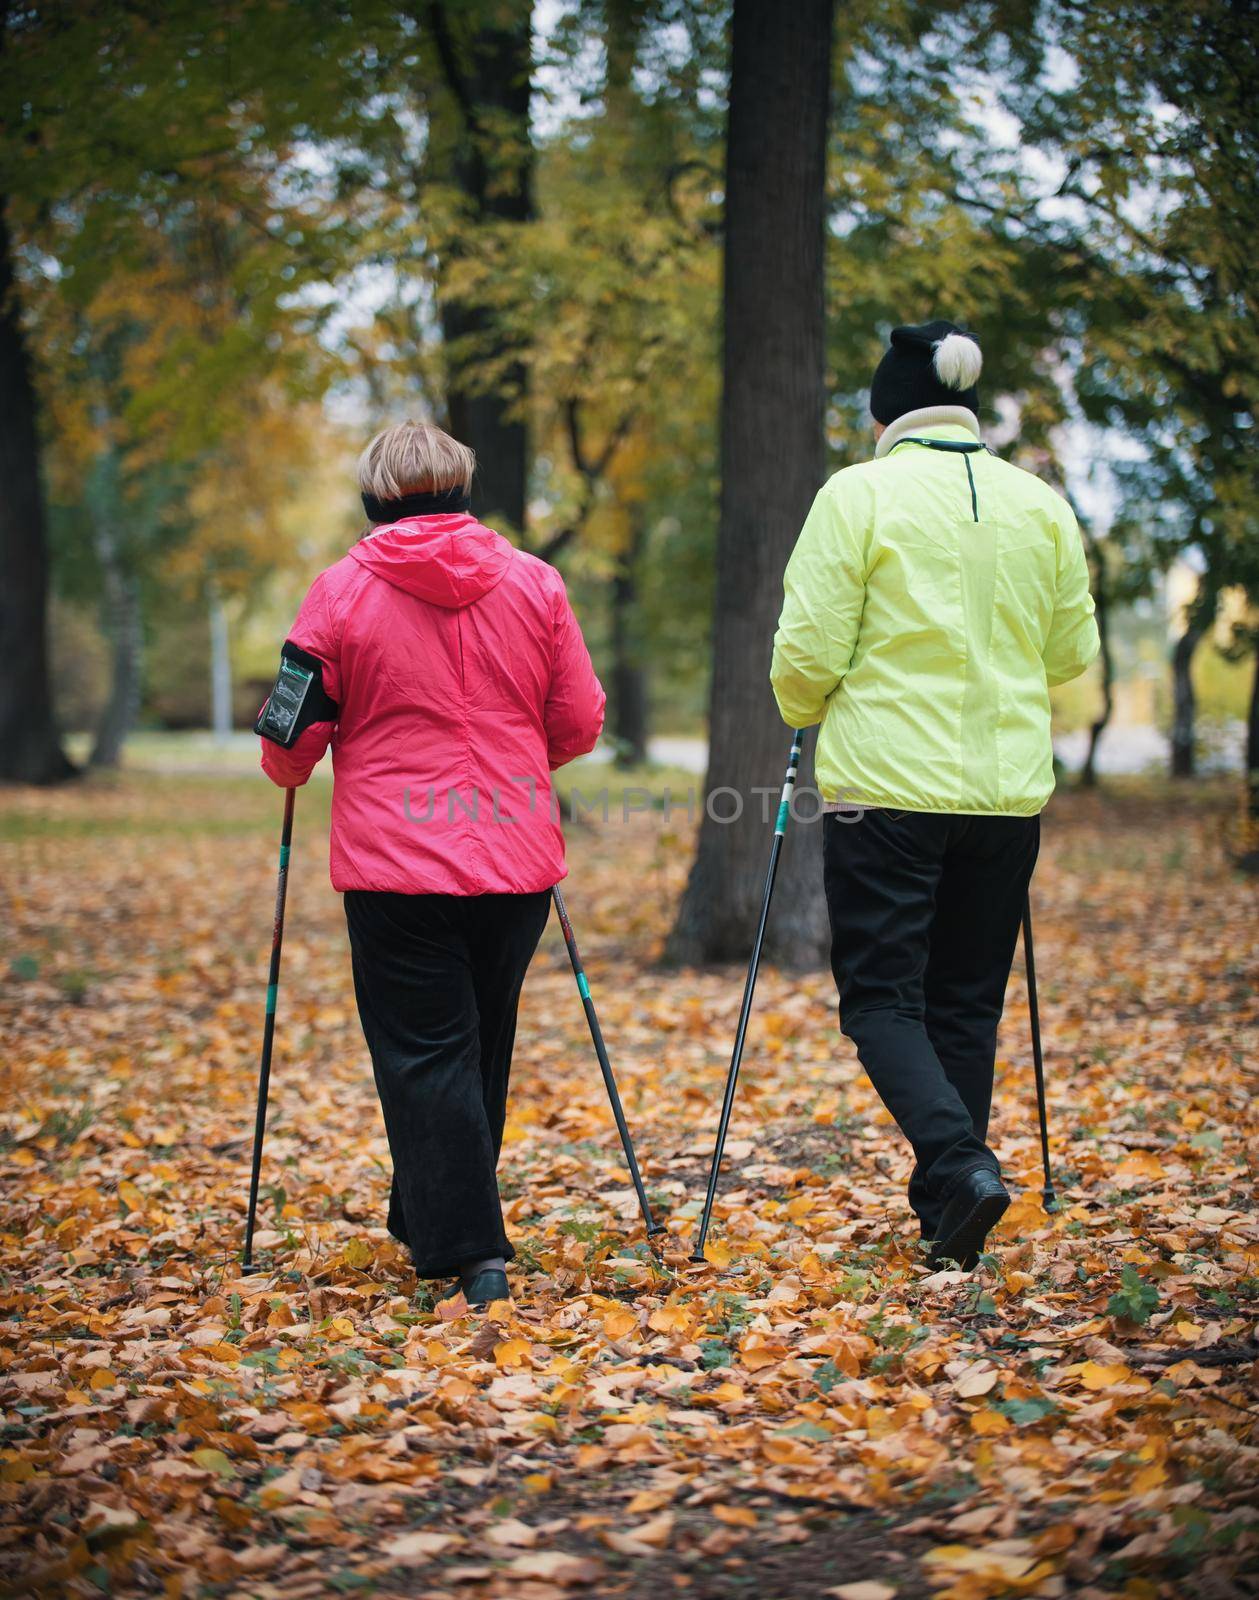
809	1413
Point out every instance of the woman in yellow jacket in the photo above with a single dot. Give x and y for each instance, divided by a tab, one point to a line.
934	596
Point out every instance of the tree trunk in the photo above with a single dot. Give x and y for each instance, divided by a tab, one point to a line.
1101	601
487	58
120	598
772	463
1184	700
220	669
624	22
629	673
1250	859
30	745
122	621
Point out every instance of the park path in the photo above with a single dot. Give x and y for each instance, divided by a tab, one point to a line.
1125	751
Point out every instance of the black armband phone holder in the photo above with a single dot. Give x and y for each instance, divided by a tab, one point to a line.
297	699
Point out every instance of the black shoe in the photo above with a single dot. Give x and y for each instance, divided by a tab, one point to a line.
485	1287
973	1210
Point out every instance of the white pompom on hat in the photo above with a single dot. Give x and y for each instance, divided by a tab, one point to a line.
958	361
935	364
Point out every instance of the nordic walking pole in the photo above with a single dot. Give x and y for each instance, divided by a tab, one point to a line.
1048	1198
745	1011
268	1026
605	1066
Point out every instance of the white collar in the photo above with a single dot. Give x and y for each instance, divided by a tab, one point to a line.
925	417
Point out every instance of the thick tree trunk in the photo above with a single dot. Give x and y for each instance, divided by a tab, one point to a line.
1101	601
773	461
1184	701
30	745
629	671
484	422
487	58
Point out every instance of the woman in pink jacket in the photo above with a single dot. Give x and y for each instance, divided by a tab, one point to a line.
448	673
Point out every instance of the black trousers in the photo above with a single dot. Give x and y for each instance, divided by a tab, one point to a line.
925	912
438	980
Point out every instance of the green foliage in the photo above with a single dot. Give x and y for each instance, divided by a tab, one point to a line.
1135	1300
171	245
1152	221
827	1375
1023	1412
714	1354
1078	183
227	246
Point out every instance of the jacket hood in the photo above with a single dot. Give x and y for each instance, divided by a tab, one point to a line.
448	560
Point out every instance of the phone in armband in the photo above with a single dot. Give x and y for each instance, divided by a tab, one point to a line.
280	718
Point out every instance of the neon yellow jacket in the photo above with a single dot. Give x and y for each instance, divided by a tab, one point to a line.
922	625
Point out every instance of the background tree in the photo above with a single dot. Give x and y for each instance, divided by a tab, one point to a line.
609	293
30	746
480	133
170	241
513	217
1148	124
632	265
772	463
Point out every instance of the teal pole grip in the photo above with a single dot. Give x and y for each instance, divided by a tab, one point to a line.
789	783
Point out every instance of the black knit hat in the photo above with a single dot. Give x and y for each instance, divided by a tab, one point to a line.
922	369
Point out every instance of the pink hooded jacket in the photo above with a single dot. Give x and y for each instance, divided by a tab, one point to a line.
462	681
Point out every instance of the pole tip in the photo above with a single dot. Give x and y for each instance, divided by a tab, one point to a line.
249	1269
656	1229
1048	1198
699	1258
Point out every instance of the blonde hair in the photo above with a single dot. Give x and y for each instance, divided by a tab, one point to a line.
414	458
